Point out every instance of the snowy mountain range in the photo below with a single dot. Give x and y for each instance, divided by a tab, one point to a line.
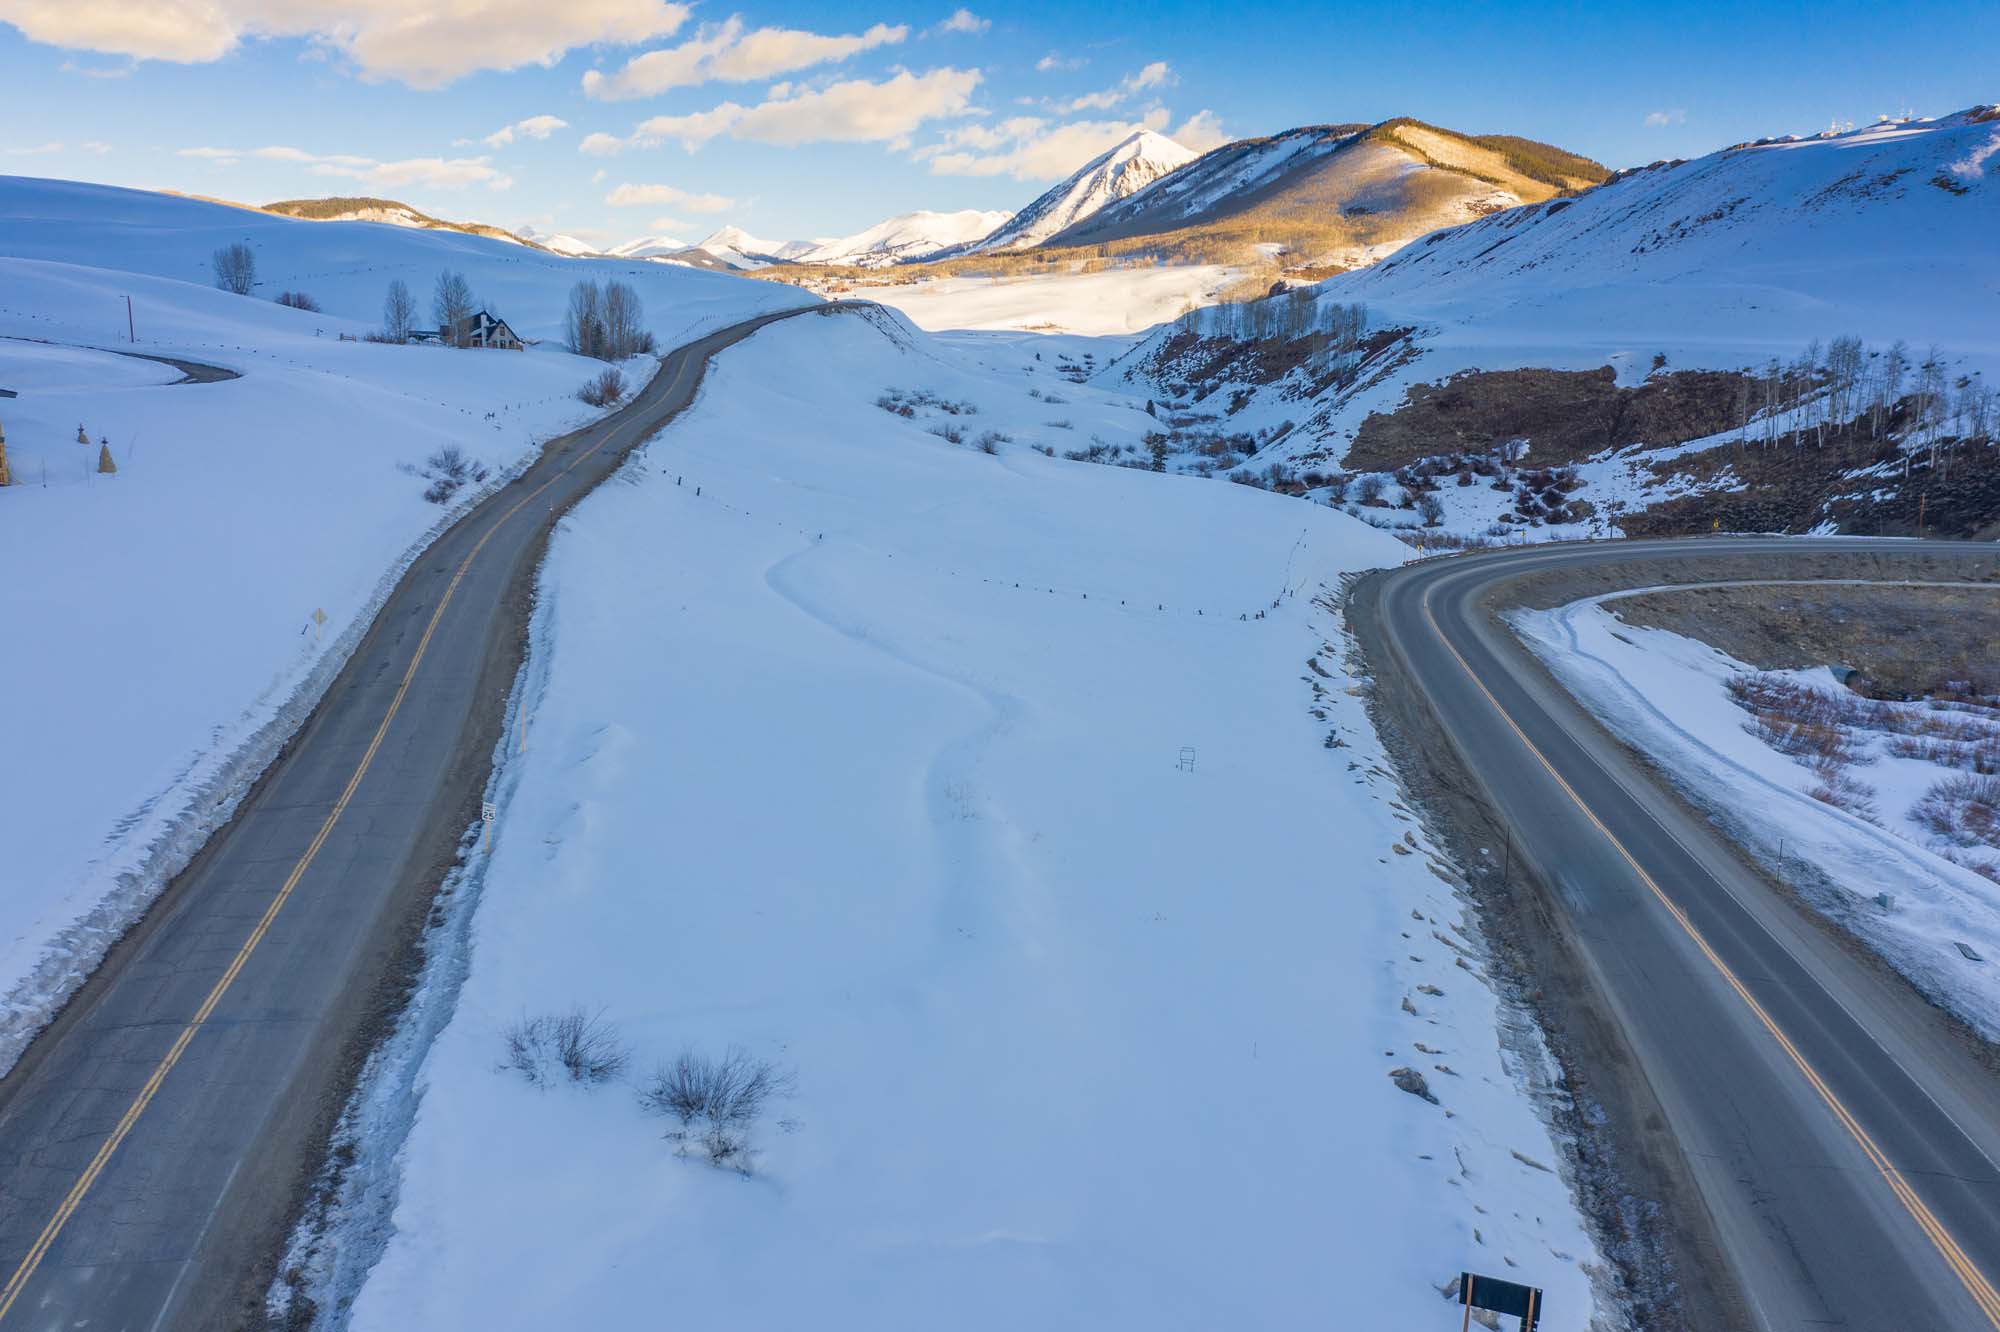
1104	180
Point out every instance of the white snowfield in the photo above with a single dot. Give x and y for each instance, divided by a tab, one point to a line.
1115	301
160	619
1666	695
1722	262
867	756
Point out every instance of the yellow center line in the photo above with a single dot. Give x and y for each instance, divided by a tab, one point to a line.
40	1249
1976	1285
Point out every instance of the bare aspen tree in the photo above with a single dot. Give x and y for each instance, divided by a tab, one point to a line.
235	268
399	312
452	305
583	324
623	315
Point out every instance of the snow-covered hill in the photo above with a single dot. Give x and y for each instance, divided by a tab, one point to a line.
904	237
390	211
1721	264
237	510
1115	175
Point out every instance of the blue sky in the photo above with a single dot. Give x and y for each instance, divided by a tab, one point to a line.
636	116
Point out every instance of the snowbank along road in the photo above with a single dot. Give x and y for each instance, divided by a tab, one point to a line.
153	1139
1842	1140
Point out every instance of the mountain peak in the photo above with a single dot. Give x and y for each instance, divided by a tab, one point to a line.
1117	173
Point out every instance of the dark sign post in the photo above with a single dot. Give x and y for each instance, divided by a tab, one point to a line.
1501	1297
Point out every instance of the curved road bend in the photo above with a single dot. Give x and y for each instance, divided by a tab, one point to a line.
155	1137
1844	1143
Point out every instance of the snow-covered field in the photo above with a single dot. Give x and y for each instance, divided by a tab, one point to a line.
161	618
1022	809
1115	301
1667	695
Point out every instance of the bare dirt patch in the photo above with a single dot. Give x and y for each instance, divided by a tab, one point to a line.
1566	415
1905	640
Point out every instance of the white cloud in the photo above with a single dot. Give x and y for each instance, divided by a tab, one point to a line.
1200	132
39	150
1674	117
726	52
691	131
856	111
601	144
449	173
642	196
95	146
1156	75
1056	60
1028	148
425	43
534	127
964	20
660	226
90	72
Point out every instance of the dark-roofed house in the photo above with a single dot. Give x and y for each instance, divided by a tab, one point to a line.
481	330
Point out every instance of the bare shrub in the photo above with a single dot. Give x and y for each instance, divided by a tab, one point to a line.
604	390
1369	489
1841	791
576	1047
298	300
448	468
991	440
715	1102
235	268
1963	809
950	432
1431	509
1808	724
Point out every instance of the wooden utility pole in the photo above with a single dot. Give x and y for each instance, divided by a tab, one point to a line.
6	477
131	331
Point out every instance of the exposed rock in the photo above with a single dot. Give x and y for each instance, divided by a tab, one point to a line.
1411	1081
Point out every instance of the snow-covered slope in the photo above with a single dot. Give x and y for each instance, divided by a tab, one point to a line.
1755	252
904	237
169	605
1117	174
864	750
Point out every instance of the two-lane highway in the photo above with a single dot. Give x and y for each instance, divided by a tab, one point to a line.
1842	1139
154	1139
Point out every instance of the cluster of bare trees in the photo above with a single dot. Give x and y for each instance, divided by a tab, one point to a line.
453	305
605	320
1334	329
1846	394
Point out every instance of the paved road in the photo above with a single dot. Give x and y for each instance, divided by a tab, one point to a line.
154	1138
1844	1142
